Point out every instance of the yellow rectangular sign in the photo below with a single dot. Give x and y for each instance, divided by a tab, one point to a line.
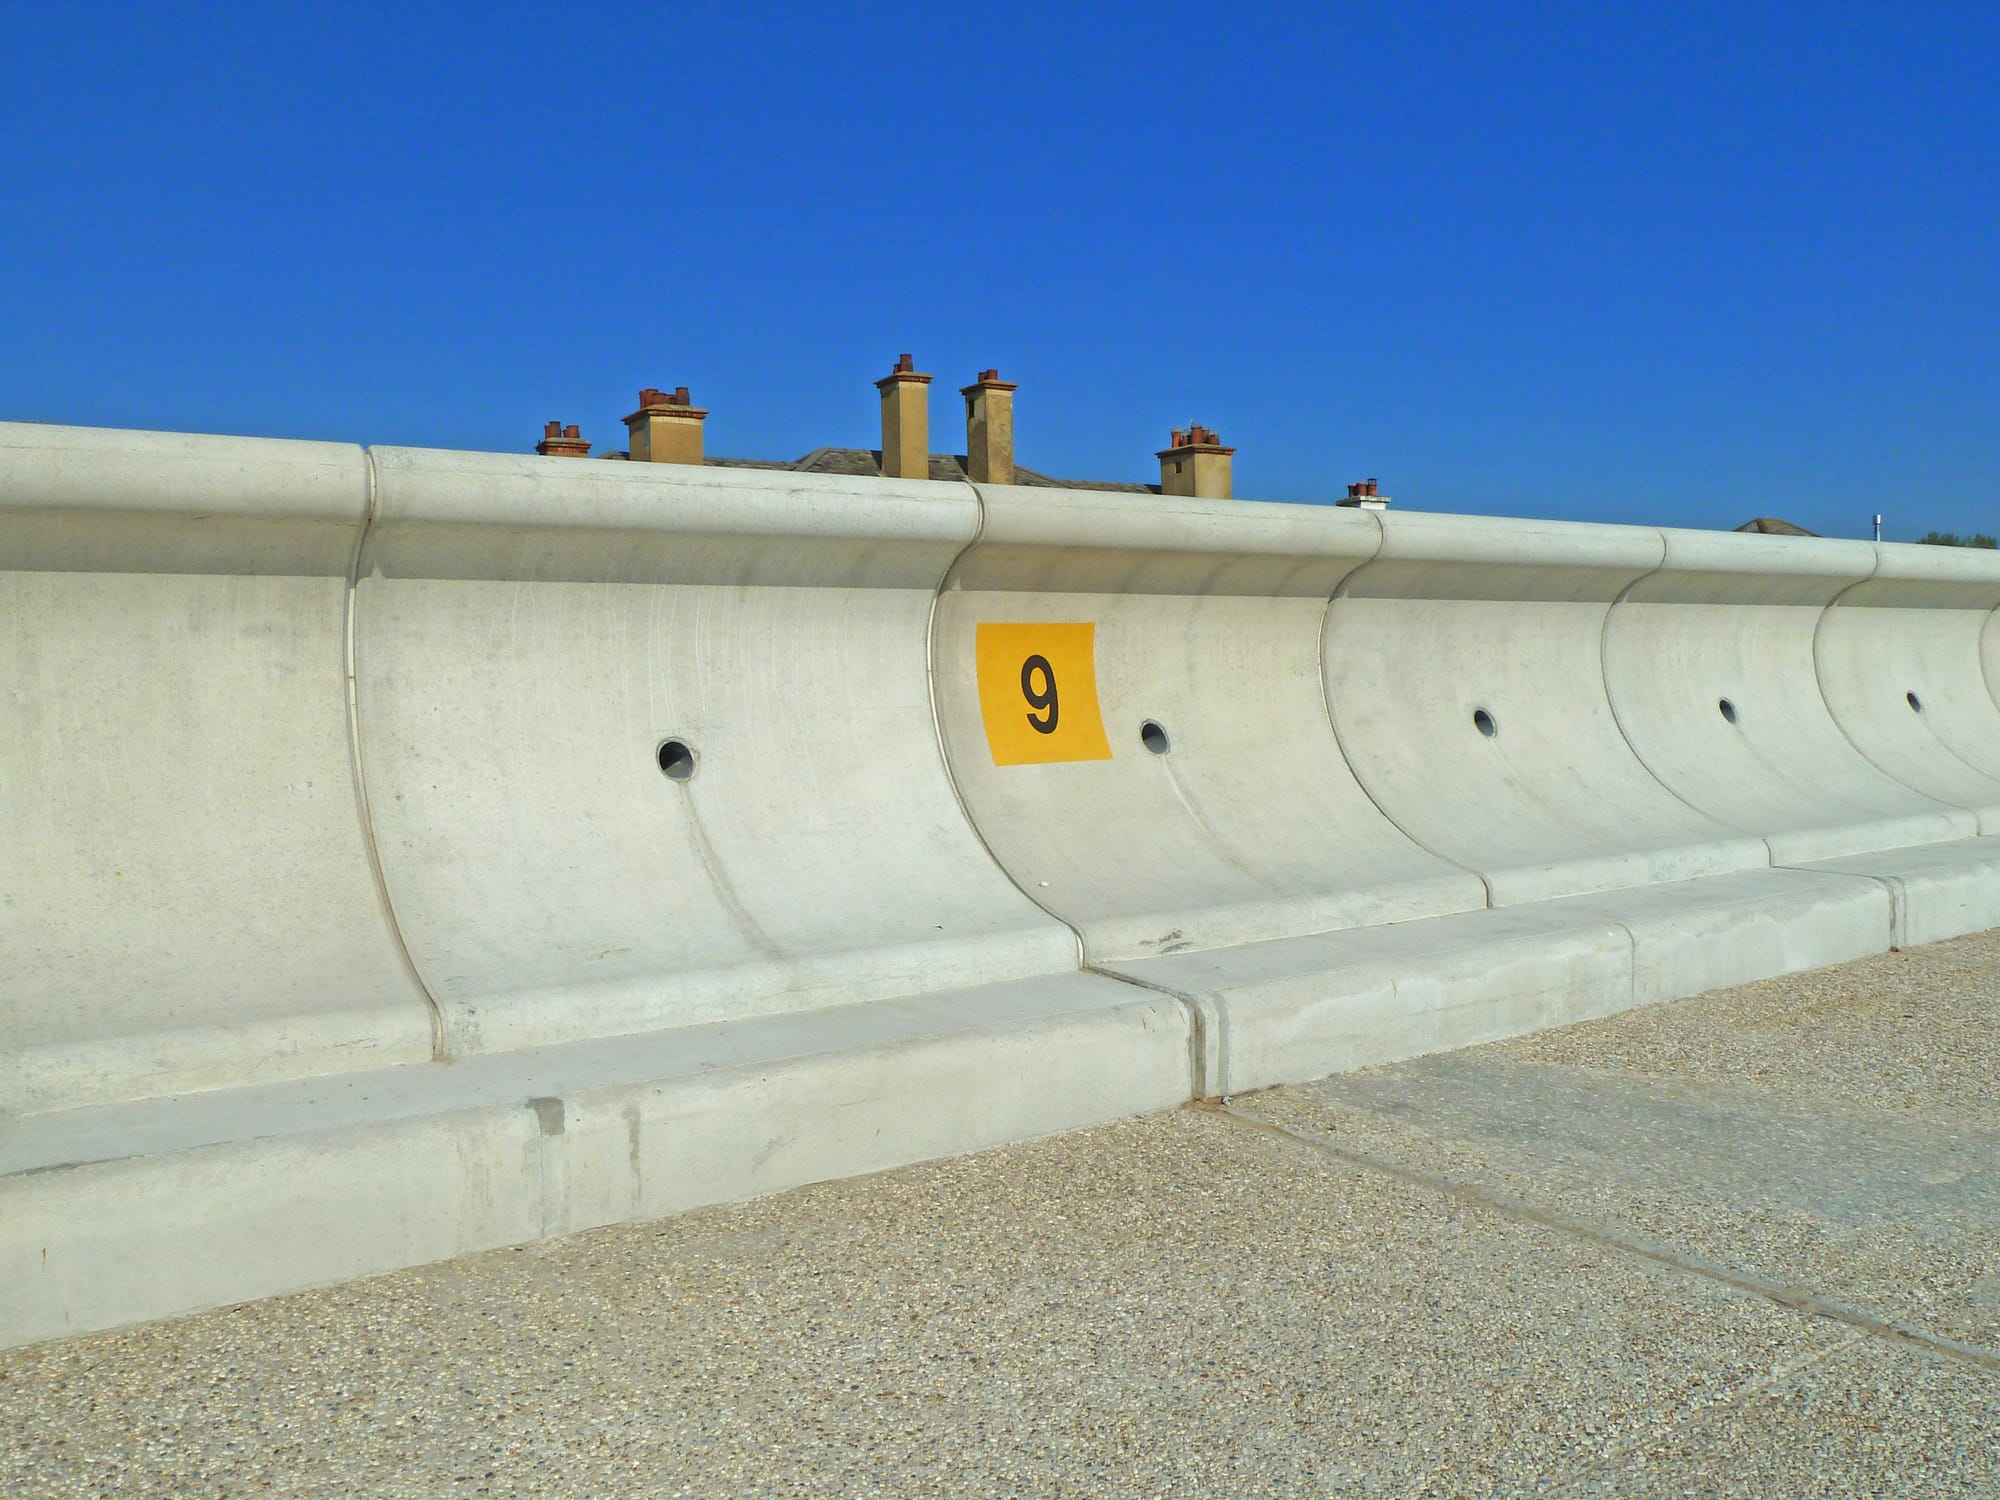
1038	692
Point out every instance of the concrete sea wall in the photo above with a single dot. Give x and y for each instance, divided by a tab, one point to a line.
412	852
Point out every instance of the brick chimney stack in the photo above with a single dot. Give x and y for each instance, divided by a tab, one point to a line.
1364	494
666	429
559	441
989	428
906	422
1195	463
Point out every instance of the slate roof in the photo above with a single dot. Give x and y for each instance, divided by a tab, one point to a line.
945	466
1772	526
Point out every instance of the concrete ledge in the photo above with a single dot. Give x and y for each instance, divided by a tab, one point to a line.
1300	1008
1696	935
1939	890
124	1213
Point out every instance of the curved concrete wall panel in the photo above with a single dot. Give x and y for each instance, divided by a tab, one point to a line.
1989	655
1464	673
189	901
1233	818
529	631
1899	666
1710	666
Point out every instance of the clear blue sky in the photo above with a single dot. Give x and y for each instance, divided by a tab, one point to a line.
1678	264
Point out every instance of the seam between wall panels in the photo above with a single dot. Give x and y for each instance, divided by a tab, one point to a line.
945	581
1891	884
1979	649
1819	685
1197	1023
356	762
1202	1034
1979	653
1631	965
1333	721
1618	721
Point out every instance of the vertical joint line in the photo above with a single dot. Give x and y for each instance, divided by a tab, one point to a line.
945	581
356	762
1333	720
1197	1028
1621	600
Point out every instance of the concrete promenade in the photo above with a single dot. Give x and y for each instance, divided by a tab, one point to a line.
1743	1244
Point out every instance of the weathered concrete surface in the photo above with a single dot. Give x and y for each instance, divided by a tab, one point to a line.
523	646
1702	632
186	898
1747	1244
1465	677
368	913
1906	686
171	1205
1206	621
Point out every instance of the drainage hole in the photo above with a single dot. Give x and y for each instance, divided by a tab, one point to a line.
1727	709
1154	738
676	759
1916	704
1483	722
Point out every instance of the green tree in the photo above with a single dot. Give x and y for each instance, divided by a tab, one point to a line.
1953	539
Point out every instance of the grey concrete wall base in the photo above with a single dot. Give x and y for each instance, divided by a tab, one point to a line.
129	1212
1300	1008
126	1212
1696	935
1939	890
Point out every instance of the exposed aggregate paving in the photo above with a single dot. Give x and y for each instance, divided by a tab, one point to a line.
1652	1255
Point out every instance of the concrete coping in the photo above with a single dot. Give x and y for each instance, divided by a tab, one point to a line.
1731	567
1045	540
1910	575
443	514
91	499
1431	556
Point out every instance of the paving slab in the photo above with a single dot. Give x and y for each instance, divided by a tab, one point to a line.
1734	1245
1870	1420
1835	1133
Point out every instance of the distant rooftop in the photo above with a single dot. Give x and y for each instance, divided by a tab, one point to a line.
667	428
867	462
1772	526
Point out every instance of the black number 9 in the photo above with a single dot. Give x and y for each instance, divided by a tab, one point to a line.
1044	698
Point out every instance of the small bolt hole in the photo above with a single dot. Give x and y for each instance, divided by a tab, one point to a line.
1154	738
676	760
1916	704
1727	709
1483	722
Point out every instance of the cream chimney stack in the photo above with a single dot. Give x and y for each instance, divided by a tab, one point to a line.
906	422
1195	463
989	428
666	429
